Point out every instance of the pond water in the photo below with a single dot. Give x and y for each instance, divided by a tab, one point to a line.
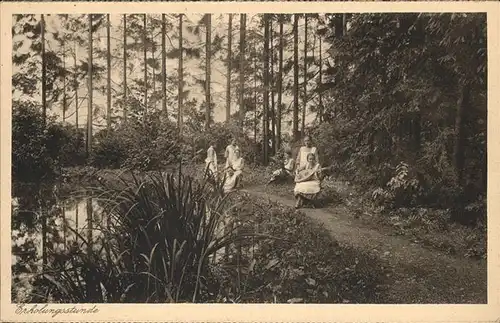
49	220
46	221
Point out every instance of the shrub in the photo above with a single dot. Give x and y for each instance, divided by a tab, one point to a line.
38	149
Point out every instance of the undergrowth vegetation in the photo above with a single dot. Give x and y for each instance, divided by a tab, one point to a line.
161	239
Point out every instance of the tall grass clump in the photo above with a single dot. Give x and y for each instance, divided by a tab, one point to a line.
157	238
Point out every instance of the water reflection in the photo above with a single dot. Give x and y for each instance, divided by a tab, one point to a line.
45	224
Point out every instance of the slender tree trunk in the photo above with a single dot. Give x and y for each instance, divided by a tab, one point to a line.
229	60
265	116
320	82
243	22
75	84
295	122
208	43
273	108
90	90
125	92
44	71
108	61
64	81
304	94
255	98
180	72
145	58
280	85
164	65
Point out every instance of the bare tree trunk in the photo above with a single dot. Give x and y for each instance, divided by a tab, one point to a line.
145	58
320	80
255	98
280	85
125	92
64	80
265	116
229	61
108	61
164	65
243	22
208	43
180	76
273	114
304	95
44	72
295	123
75	84
90	88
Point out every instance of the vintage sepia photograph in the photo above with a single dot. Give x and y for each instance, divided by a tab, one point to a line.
268	158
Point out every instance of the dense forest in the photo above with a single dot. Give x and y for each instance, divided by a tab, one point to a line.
395	103
375	90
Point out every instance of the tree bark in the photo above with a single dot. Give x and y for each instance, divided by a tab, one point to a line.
280	85
180	77
320	82
164	65
75	84
265	117
64	80
273	108
243	22
208	42
90	90
108	61
229	61
44	72
144	41
295	122
255	98
125	92
304	94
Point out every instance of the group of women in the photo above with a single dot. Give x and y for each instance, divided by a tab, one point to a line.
233	169
304	169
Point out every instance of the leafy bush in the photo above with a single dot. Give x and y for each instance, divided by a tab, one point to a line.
38	149
402	189
137	145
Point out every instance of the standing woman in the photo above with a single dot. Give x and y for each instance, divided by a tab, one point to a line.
211	160
304	151
229	153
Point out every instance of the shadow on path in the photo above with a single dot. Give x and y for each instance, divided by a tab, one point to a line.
418	275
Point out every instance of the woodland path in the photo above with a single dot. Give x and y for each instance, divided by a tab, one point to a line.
415	274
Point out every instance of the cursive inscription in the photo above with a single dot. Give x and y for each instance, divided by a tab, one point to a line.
54	310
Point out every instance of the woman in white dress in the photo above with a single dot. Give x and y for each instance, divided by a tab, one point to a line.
304	151
234	172
229	153
307	181
211	161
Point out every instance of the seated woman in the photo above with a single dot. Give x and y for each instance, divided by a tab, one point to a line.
308	181
286	170
234	172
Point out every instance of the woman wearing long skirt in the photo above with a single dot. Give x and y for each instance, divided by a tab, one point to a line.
234	172
307	181
211	161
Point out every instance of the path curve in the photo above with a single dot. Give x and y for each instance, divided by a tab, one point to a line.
417	275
